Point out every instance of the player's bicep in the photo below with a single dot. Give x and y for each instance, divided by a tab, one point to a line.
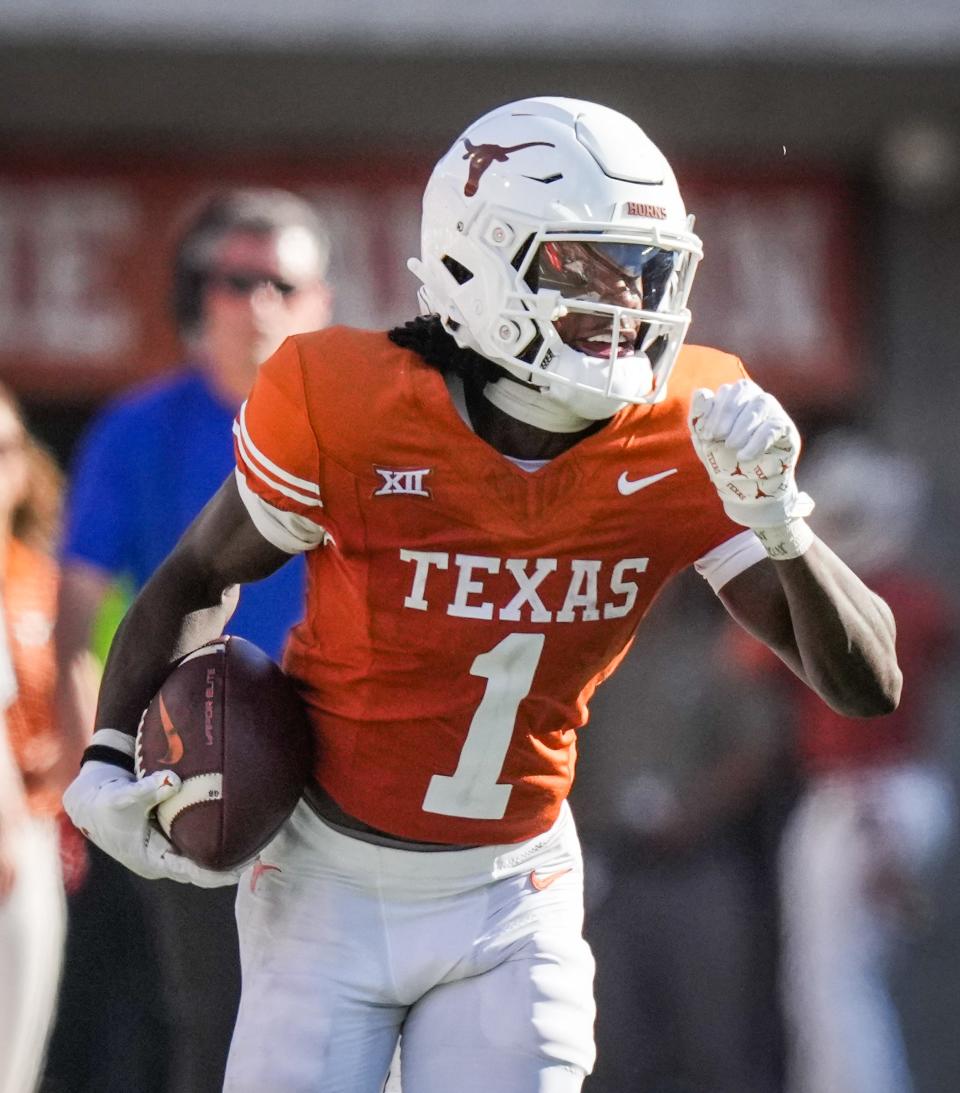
756	600
743	577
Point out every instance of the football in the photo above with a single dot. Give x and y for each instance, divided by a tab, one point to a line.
231	725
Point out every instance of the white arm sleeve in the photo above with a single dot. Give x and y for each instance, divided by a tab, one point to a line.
286	530
730	559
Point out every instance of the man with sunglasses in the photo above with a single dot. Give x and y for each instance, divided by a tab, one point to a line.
489	499
249	270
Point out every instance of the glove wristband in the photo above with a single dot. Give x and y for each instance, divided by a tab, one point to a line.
786	541
110	746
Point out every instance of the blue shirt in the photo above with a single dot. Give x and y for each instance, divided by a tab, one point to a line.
146	467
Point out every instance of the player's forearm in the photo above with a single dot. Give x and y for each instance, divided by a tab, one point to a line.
844	634
177	610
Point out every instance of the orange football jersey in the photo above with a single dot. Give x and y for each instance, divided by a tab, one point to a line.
460	611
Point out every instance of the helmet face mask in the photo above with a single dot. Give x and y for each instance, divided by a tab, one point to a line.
555	243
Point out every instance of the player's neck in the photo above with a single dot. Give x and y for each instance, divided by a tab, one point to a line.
515	438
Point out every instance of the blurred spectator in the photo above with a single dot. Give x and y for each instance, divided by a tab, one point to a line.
249	272
683	926
35	764
877	807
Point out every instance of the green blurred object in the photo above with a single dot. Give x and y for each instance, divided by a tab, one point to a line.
112	610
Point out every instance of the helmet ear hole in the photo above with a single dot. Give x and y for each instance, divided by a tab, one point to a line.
457	270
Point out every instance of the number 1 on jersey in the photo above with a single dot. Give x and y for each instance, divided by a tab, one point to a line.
472	791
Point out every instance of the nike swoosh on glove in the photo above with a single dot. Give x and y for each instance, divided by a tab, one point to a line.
749	446
112	809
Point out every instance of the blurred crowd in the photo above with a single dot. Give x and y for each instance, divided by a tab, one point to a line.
756	864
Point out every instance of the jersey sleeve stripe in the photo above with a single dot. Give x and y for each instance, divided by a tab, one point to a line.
288	531
268	464
272	476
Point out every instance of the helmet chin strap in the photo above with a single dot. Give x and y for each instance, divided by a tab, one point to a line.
534	406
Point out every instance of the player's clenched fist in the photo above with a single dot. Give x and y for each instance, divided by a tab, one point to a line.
749	446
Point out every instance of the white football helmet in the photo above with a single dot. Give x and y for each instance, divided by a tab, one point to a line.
555	242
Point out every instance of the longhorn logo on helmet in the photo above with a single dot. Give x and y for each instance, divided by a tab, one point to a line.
482	156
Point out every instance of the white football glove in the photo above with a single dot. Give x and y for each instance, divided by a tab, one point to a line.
112	808
749	446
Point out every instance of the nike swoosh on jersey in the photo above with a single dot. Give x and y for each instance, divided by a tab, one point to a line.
627	485
540	883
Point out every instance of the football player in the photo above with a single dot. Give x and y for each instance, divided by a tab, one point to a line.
489	499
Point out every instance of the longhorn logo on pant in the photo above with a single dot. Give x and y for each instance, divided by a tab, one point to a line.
481	156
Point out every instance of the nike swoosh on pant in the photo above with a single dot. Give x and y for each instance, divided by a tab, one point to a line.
540	883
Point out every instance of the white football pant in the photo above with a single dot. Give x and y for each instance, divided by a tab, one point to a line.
344	942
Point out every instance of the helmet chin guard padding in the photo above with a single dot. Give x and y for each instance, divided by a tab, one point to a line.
555	243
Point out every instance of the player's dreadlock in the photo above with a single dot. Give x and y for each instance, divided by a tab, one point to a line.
426	336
